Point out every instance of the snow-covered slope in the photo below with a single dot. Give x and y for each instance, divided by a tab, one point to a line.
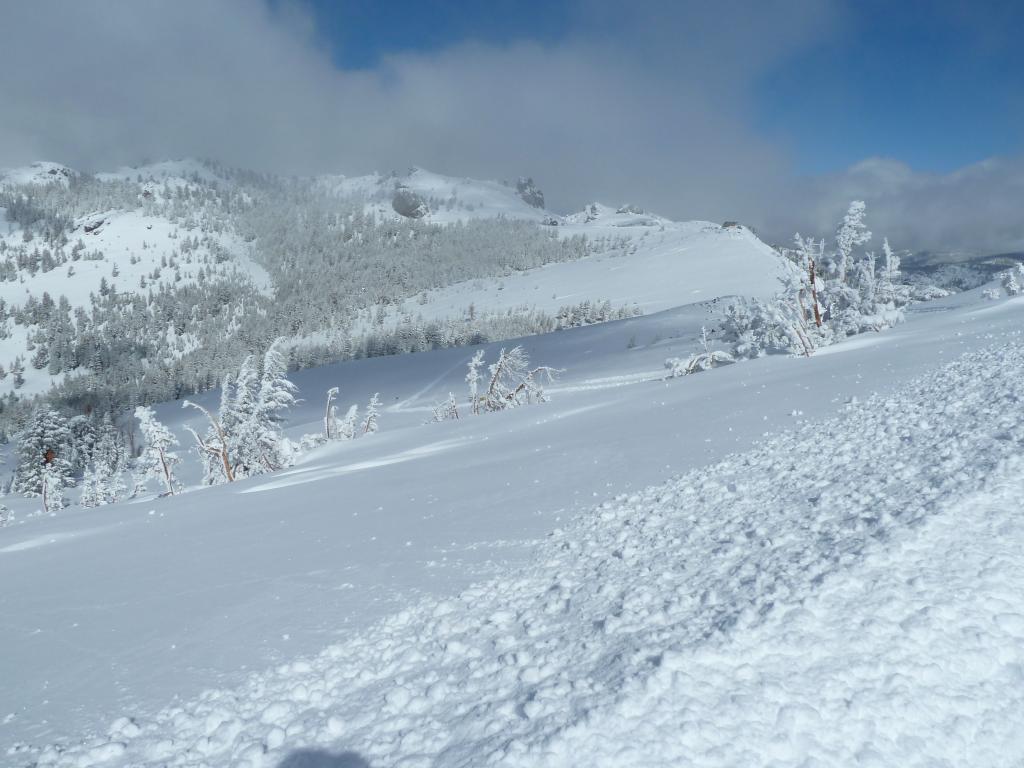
132	250
654	268
167	225
42	172
632	574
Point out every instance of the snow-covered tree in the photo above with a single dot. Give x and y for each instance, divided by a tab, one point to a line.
372	414
244	437
237	414
331	415
157	459
890	267
347	426
102	481
263	437
218	466
511	382
83	437
808	259
757	328
473	380
44	450
1013	280
53	488
852	233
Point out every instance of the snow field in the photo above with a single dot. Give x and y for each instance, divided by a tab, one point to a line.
849	592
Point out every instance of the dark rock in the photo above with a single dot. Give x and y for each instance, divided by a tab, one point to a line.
530	192
409	204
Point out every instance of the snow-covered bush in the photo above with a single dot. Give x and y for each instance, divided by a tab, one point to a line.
701	361
448	410
757	328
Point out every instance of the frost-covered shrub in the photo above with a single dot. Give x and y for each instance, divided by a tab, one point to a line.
592	312
757	328
510	381
447	410
701	361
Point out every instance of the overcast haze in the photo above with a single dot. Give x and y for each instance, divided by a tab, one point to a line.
690	110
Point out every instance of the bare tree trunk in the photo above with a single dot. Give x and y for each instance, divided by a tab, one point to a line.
814	296
327	414
223	450
167	472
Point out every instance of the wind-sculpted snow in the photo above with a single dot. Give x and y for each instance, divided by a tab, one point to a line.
850	592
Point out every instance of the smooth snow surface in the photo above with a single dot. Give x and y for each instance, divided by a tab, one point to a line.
635	574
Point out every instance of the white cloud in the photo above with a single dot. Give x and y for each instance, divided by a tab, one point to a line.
645	103
976	208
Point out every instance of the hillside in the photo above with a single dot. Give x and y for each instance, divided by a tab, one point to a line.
167	274
625	557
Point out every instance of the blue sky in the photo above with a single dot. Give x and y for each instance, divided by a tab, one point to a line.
937	85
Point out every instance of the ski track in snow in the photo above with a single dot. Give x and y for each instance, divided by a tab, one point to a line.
321	472
848	593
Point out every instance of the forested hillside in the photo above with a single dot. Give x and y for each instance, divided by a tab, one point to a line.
148	284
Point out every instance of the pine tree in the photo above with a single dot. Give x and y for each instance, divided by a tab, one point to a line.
347	427
239	402
83	441
851	233
53	488
43	449
372	412
276	395
92	492
473	380
157	460
102	482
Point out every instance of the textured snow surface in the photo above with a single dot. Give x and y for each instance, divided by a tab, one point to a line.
850	592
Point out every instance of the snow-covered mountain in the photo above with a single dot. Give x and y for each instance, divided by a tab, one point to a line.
192	261
808	553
